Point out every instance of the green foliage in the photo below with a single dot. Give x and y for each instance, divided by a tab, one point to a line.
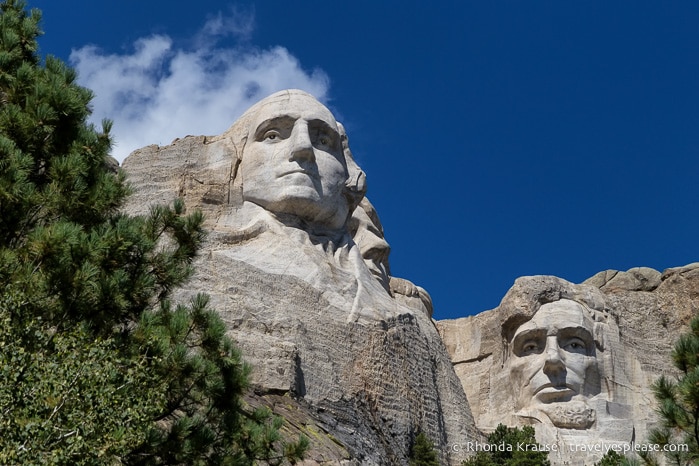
612	458
422	452
678	401
96	365
66	392
516	447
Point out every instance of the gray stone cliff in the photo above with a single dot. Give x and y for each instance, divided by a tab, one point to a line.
574	361
346	353
297	265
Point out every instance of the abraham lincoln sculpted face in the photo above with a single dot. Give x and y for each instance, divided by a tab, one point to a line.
553	365
293	162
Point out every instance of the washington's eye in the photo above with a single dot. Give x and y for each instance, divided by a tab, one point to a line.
271	135
323	139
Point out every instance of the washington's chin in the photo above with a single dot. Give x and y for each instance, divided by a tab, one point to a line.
296	184
305	204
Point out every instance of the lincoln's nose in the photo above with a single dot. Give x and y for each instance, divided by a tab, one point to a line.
553	364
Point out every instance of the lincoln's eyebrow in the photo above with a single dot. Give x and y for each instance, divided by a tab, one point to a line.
579	332
528	333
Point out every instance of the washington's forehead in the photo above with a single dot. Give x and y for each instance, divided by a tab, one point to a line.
294	106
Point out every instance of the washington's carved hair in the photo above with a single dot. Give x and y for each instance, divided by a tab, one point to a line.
238	134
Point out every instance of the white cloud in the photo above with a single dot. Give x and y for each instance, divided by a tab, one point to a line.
159	92
238	23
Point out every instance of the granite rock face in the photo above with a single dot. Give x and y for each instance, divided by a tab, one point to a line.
574	361
297	265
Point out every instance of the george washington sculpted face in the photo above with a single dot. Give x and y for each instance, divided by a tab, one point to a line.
293	161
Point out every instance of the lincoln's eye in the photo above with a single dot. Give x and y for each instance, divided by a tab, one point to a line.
575	345
530	347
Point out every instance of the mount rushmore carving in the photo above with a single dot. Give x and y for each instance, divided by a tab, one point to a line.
297	265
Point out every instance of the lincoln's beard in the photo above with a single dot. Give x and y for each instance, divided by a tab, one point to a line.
570	415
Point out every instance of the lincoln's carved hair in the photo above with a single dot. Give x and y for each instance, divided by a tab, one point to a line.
522	302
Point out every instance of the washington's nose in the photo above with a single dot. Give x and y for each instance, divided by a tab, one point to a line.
301	145
553	363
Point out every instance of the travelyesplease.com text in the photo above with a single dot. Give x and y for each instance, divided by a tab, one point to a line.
622	448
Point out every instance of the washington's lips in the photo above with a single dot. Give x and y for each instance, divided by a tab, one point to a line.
297	170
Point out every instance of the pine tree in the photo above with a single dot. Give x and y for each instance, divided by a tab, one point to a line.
422	452
97	366
678	401
612	458
530	454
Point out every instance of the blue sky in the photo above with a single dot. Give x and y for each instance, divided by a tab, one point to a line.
500	139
